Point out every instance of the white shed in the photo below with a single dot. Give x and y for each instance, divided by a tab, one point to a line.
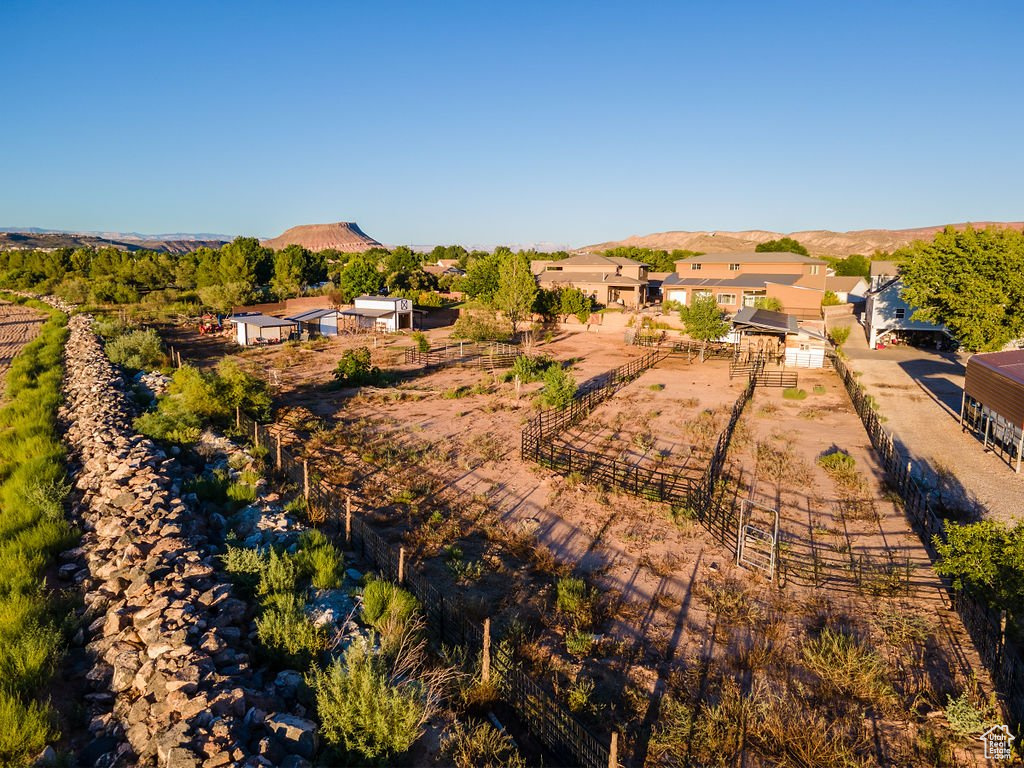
323	322
257	328
380	313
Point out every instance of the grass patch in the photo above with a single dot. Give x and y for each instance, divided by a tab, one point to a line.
792	393
819	389
32	529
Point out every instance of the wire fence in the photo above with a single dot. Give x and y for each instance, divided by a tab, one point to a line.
486	356
986	626
446	616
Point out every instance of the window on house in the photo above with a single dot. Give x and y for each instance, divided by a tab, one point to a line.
814	269
734	267
901	313
726	298
695	266
701	294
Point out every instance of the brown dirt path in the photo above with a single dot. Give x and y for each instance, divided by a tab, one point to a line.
18	326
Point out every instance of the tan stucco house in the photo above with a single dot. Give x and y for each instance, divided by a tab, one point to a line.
738	280
608	280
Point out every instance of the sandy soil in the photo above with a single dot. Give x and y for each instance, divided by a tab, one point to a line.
18	326
457	431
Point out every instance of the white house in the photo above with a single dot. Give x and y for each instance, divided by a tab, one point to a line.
887	316
849	289
322	322
257	328
782	336
380	313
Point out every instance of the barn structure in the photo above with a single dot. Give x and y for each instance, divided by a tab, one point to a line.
257	328
993	403
379	313
317	322
781	336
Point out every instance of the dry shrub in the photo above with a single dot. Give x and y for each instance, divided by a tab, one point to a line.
844	664
729	600
780	464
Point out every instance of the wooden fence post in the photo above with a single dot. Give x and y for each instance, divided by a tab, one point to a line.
613	751
305	480
238	417
348	519
179	358
485	667
401	564
278	440
255	433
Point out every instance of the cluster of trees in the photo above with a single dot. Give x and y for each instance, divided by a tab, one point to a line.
657	260
971	281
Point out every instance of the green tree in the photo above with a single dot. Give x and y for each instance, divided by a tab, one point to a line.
704	321
971	281
782	245
830	299
359	276
854	265
291	269
517	288
559	387
356	368
573	301
988	558
481	280
768	302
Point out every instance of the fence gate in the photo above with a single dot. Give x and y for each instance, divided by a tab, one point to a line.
756	545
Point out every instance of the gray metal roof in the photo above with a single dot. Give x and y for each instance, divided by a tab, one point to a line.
260	320
392	299
765	319
311	315
740	281
364	312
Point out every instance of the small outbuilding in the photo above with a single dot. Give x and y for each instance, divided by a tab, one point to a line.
257	328
317	322
781	336
379	313
993	403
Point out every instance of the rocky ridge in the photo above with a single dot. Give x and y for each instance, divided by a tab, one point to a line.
171	685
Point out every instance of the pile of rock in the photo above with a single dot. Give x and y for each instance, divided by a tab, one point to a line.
171	683
152	383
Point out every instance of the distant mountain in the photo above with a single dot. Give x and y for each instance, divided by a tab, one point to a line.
207	236
50	240
820	242
341	236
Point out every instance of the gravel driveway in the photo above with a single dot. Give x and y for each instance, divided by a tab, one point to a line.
918	392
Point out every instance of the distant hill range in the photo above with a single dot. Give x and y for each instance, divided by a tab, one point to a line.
820	242
341	236
12	238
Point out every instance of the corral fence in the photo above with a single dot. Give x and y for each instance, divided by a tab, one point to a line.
447	620
486	356
986	626
712	350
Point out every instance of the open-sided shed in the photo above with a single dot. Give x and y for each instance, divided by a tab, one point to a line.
993	402
257	328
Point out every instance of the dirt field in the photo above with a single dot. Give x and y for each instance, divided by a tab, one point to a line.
434	461
918	393
18	326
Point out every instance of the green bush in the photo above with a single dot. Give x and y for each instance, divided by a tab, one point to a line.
280	575
287	634
841	467
967	718
559	388
819	389
386	604
479	327
840	335
792	393
421	341
355	369
25	729
476	744
137	350
571	598
579	643
244	565
320	560
529	369
362	711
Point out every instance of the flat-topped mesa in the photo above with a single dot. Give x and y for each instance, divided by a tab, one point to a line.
340	236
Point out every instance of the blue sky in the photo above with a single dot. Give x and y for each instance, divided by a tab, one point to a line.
487	122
